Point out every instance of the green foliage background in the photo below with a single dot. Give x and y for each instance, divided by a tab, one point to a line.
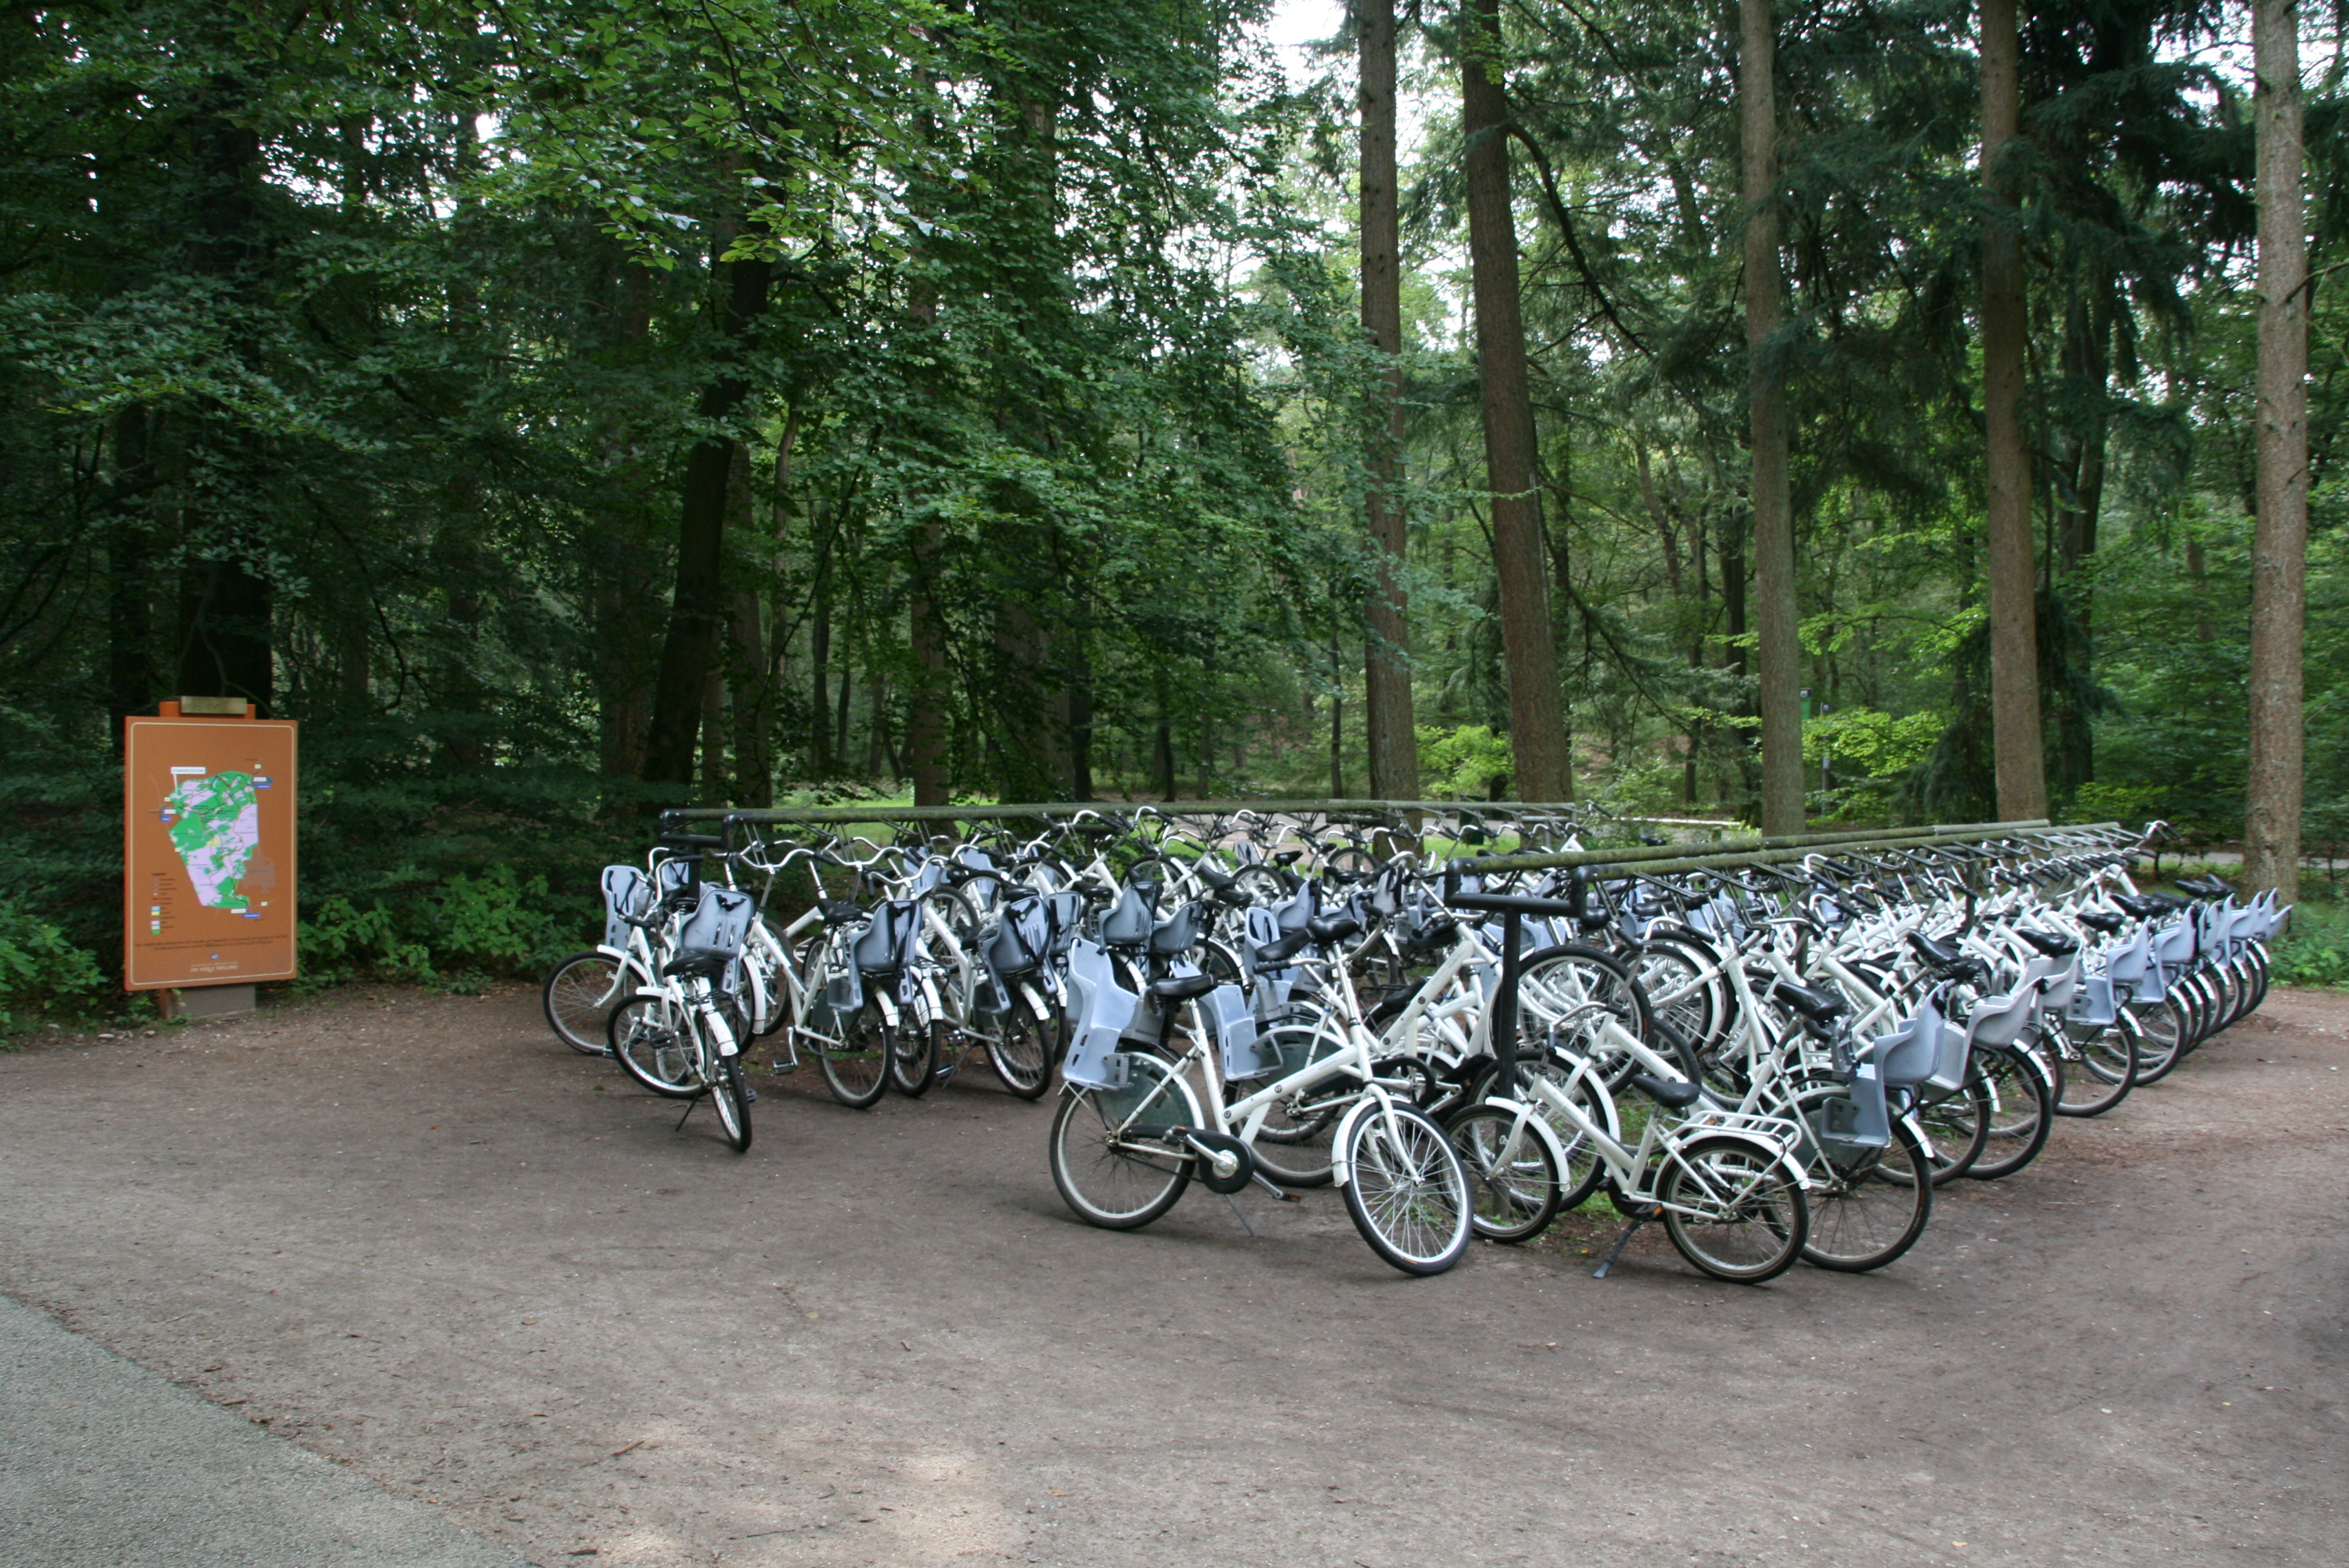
357	359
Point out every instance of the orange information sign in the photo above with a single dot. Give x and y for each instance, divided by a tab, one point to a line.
207	851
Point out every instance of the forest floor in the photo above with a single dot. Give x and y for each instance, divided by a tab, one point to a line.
415	1234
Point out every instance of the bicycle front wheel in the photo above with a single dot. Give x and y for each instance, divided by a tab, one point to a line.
913	1052
1024	1047
1407	1190
856	1065
2101	1071
1109	1177
1733	1210
1513	1179
653	1039
732	1099
578	998
2023	1110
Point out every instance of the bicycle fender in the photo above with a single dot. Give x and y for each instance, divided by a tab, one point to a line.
1761	1146
616	954
1534	1121
1342	1169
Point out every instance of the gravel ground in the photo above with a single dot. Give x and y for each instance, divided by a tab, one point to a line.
416	1236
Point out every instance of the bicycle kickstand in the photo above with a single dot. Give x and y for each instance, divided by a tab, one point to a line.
1642	1218
695	1103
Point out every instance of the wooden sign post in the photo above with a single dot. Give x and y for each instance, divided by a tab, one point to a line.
207	853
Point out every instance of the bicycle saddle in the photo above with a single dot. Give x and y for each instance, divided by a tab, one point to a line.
1288	857
2145	906
2047	942
1274	955
1941	955
2099	920
705	961
1665	1092
1816	1006
1181	987
1328	929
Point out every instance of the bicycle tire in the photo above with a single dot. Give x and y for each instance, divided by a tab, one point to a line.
731	1099
914	1054
2101	1071
578	998
1749	1222
654	1040
1513	1181
1119	1188
1869	1207
2023	1110
1682	981
2160	1040
1559	982
1957	1126
1025	1049
857	1070
1406	1191
1294	1150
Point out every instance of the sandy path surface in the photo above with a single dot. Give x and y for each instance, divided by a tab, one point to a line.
414	1234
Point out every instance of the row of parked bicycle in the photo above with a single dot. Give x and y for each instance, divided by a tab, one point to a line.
1777	1062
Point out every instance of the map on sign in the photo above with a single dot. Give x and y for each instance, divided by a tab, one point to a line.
209	855
214	821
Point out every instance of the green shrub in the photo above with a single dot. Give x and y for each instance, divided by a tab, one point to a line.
2315	952
42	974
1464	763
458	930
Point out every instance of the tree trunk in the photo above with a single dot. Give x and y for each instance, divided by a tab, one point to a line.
1775	612
820	664
2280	537
2021	763
131	596
925	750
1537	725
749	664
1731	545
1386	669
698	613
226	608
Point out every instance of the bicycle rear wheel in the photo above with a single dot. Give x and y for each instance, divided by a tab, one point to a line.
1868	1205
1733	1210
578	998
1406	1190
1110	1180
653	1039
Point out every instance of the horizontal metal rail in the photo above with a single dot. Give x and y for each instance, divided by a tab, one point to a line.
1047	811
1604	870
1797	844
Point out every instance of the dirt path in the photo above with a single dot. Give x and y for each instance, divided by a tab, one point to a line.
414	1234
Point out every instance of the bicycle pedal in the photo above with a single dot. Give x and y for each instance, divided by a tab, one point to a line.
748	1094
784	1069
